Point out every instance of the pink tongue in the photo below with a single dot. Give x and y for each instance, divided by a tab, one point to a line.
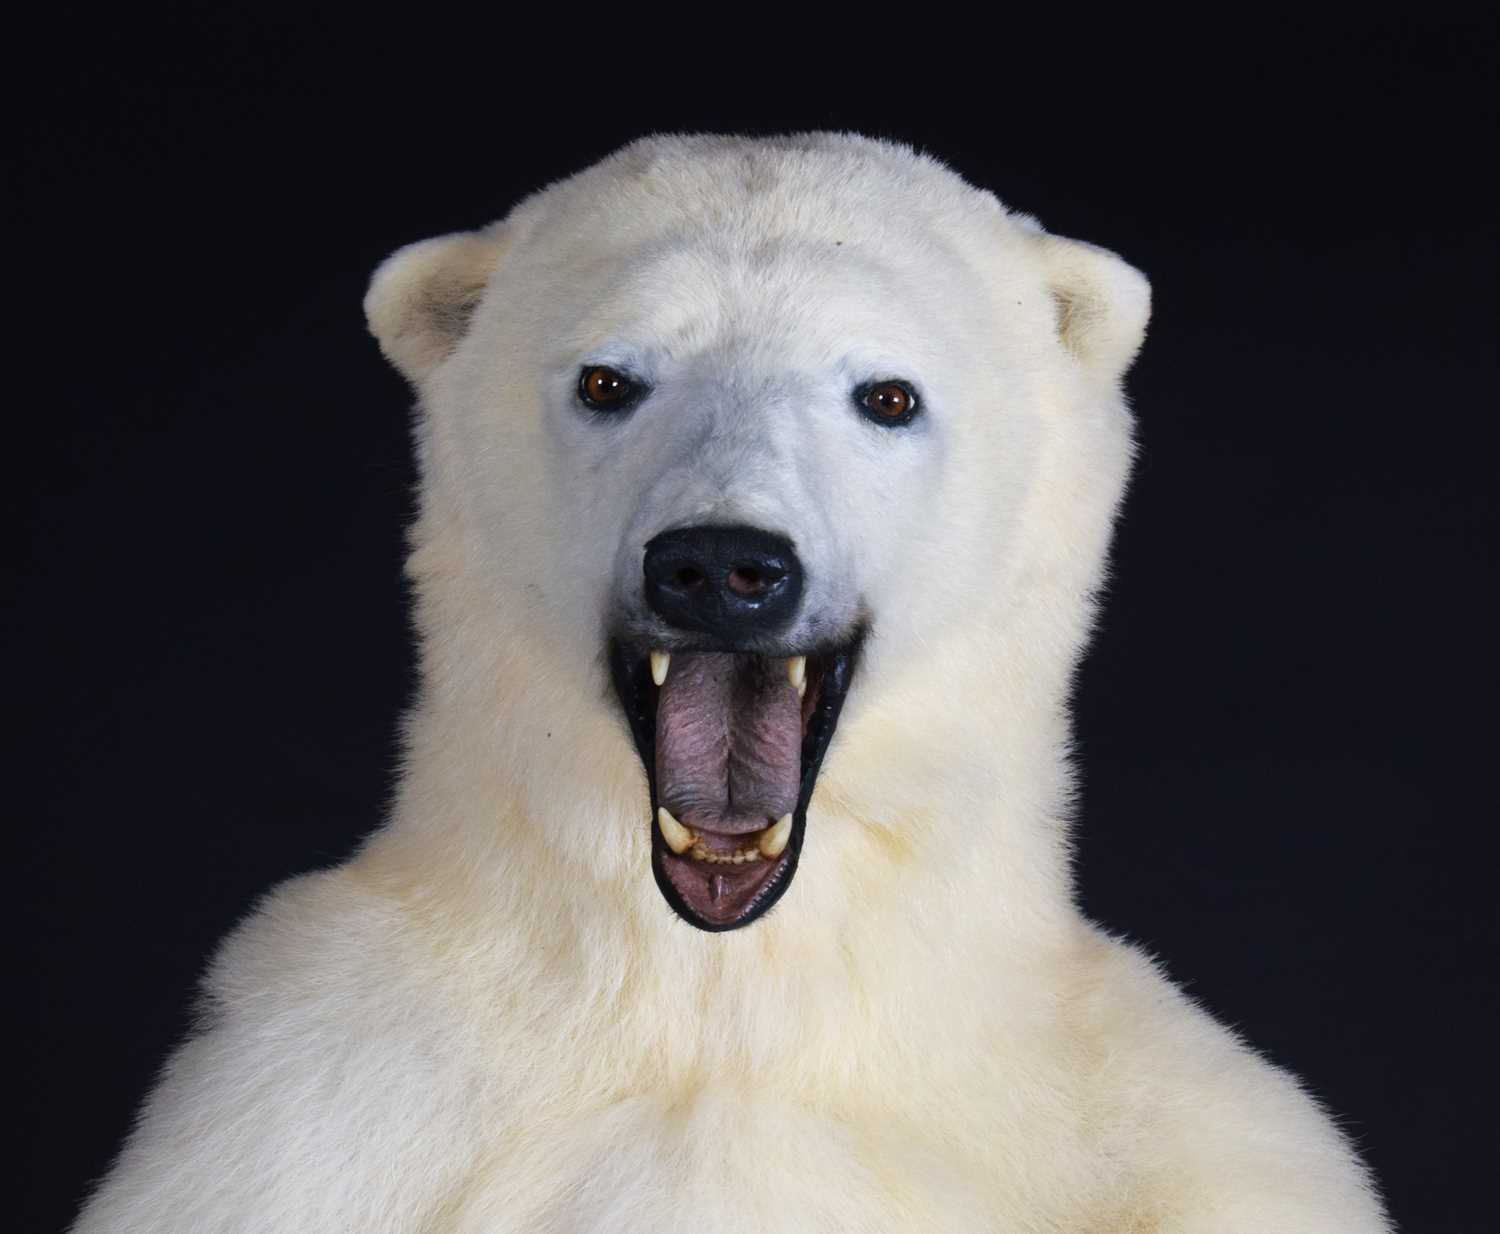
728	741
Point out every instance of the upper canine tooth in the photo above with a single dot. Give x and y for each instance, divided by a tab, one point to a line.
772	841
659	662
679	839
796	673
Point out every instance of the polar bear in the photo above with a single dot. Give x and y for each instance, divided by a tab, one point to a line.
765	488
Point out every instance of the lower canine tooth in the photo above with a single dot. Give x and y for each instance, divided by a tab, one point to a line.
679	839
772	841
659	662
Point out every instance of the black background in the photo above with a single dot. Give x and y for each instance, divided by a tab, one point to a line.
1285	725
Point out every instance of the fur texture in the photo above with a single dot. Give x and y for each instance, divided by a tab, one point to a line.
489	1020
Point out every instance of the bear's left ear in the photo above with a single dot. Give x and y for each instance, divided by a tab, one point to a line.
1103	304
422	297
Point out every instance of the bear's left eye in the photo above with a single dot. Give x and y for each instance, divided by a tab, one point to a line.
605	389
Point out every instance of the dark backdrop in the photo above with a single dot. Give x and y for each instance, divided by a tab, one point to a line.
1285	724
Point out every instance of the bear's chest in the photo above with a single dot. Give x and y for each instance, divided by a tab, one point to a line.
731	1164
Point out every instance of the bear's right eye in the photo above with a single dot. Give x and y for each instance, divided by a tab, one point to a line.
606	389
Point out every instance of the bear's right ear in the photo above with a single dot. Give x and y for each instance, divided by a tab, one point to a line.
422	296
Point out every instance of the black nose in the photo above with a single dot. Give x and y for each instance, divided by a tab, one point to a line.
728	582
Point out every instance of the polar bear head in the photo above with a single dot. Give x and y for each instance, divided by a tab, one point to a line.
722	433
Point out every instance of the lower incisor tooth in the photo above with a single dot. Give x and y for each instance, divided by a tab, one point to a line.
746	855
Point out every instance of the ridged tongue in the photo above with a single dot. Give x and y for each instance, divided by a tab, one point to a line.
728	741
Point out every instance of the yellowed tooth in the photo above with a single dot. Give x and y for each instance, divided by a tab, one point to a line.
679	839
772	841
796	673
659	662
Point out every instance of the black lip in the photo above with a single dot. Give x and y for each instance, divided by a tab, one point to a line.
631	674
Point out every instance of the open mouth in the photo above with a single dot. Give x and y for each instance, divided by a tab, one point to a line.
732	742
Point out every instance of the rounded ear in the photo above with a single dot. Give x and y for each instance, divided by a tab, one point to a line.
422	297
1103	304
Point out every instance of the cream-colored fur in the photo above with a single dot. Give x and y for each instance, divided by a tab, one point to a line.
489	1020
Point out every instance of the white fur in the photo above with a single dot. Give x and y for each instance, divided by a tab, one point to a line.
489	1020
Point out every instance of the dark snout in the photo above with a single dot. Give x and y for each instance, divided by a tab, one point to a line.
733	584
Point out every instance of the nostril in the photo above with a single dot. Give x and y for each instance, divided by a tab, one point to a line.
688	577
746	581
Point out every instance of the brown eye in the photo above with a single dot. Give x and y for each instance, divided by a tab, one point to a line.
889	402
605	389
